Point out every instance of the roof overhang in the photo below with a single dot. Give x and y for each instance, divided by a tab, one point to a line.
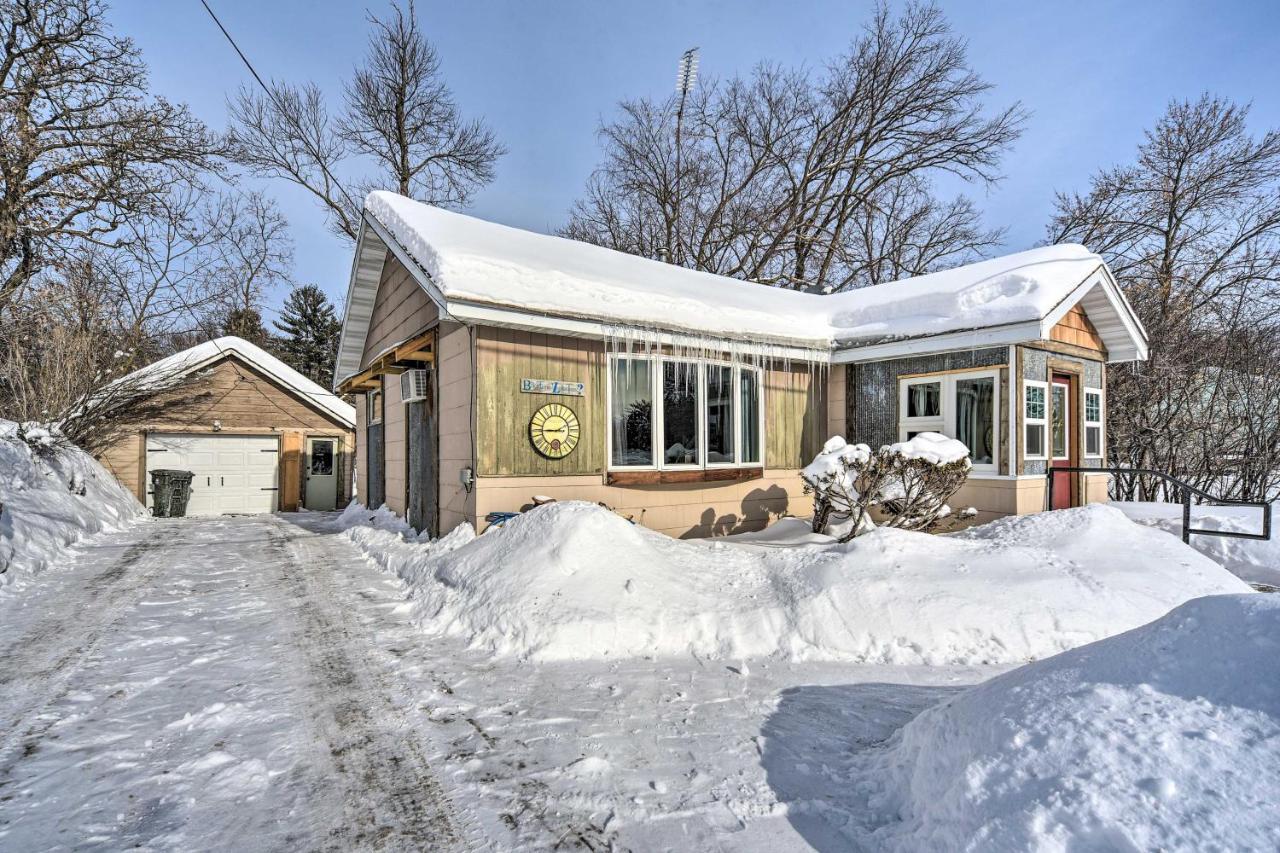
372	246
1111	314
1118	326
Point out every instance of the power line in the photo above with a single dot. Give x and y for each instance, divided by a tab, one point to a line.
272	95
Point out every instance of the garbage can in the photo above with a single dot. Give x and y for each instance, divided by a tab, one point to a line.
170	490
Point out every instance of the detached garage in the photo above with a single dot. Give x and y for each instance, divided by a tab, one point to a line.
257	435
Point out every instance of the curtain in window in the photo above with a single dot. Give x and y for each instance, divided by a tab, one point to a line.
975	418
923	400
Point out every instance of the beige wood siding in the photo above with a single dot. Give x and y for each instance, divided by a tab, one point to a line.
837	392
686	510
393	432
456	418
239	397
124	460
503	358
401	310
362	448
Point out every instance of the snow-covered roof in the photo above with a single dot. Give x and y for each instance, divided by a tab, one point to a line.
203	355
469	266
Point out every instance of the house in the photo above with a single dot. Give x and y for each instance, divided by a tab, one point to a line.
494	365
257	435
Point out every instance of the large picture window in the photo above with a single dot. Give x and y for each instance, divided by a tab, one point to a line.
963	406
671	413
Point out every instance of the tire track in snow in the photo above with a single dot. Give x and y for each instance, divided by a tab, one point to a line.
38	665
390	797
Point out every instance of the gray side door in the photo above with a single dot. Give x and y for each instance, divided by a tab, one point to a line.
377	468
422	480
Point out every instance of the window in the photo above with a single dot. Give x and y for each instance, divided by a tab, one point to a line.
680	413
976	418
321	457
683	413
1092	422
921	405
963	406
1058	427
631	415
749	406
719	414
1035	422
374	402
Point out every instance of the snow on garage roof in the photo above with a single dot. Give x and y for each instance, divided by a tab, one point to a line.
467	262
202	355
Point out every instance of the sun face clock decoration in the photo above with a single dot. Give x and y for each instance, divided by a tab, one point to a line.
554	430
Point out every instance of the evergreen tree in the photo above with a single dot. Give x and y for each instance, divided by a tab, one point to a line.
309	334
246	323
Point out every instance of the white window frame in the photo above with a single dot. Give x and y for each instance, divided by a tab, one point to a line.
660	414
655	390
1100	423
1066	424
1043	422
382	402
947	423
935	423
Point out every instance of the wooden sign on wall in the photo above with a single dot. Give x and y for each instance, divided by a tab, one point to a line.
553	386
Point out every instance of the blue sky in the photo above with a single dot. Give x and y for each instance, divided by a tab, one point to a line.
543	74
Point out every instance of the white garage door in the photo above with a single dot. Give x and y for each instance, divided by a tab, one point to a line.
233	473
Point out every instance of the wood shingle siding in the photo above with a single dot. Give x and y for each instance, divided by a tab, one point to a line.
1076	329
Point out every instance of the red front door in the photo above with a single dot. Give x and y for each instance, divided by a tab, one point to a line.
1060	455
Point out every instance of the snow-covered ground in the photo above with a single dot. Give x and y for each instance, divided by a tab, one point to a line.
573	581
216	684
1254	560
254	683
51	495
1163	738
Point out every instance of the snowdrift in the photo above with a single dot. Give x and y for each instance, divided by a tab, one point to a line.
1163	738
49	502
573	581
1253	560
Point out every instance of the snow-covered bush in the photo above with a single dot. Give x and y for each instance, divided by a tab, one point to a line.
910	483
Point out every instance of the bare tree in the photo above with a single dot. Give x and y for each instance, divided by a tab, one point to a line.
811	182
53	372
82	143
398	114
169	280
1192	231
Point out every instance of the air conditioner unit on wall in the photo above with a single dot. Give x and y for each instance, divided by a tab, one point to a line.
415	385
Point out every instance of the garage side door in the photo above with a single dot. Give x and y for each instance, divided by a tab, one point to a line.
233	473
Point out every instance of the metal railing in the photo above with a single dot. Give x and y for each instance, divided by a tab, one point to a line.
1187	491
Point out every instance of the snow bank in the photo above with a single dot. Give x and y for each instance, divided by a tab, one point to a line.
1163	738
51	500
573	581
1254	560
